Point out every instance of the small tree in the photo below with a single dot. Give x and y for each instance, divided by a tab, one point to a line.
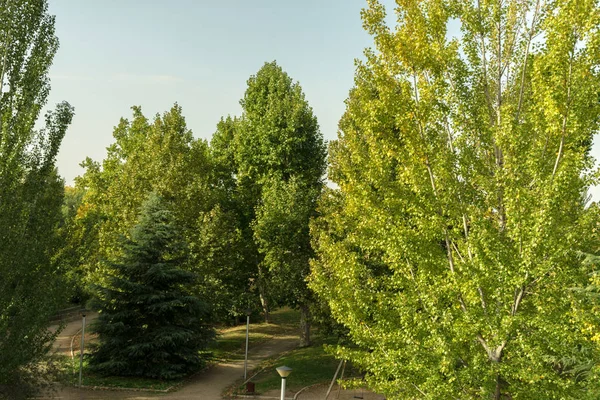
149	324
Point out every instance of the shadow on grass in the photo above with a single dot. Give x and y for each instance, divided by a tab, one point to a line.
231	342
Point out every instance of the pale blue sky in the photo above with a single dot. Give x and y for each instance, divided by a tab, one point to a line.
118	53
199	53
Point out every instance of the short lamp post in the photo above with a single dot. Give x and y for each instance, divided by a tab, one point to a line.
83	312
248	312
284	372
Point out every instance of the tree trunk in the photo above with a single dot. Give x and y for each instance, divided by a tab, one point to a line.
265	305
304	326
500	385
497	391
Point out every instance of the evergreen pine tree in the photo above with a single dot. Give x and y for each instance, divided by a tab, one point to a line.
149	324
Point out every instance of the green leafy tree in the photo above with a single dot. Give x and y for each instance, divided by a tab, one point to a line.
450	249
277	138
217	253
283	238
71	253
30	193
159	156
150	324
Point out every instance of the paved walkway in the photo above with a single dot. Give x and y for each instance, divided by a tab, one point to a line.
207	385
62	344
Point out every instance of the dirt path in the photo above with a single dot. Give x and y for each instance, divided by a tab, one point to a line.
207	385
62	344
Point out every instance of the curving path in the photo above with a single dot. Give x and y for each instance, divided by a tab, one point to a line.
207	385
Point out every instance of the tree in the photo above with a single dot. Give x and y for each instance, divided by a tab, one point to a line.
150	324
277	138
450	249
30	193
72	251
217	253
283	239
161	156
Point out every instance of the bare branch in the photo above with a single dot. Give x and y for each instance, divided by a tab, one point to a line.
482	298
565	119
494	355
527	49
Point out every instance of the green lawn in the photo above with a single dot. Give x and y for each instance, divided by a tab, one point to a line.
310	365
231	342
70	369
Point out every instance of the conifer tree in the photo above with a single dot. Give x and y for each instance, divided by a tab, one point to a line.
149	324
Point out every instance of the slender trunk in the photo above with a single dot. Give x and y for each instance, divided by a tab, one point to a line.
304	326
497	392
262	293
265	304
501	385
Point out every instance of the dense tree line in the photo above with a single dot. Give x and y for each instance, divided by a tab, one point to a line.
242	206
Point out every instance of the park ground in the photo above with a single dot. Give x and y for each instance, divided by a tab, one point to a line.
270	345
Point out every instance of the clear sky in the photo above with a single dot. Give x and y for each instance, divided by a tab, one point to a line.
118	53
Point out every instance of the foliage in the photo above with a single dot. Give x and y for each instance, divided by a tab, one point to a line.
275	146
74	243
282	235
30	193
450	249
159	156
216	251
150	325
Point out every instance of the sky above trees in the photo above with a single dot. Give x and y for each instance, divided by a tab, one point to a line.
115	54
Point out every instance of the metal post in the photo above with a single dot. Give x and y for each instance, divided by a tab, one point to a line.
284	372
81	352
282	388
246	357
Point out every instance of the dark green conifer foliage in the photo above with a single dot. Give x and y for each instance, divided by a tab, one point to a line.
150	325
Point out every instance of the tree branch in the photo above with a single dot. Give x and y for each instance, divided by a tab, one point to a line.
565	119
527	49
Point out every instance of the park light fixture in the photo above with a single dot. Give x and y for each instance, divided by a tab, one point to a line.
248	312
83	312
284	372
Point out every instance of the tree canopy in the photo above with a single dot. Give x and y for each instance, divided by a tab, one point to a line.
147	156
450	249
30	192
273	159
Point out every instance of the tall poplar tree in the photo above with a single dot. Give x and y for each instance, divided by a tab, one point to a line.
463	160
30	192
274	147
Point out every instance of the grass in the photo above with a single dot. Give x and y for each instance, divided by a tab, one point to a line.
70	369
310	365
231	342
229	346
